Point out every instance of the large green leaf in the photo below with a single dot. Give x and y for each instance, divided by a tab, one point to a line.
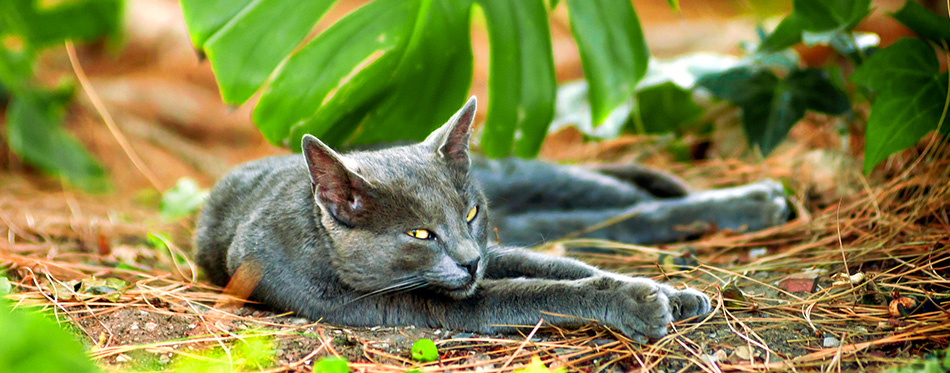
521	83
246	50
613	52
771	106
910	96
35	135
828	15
817	21
378	74
45	25
925	23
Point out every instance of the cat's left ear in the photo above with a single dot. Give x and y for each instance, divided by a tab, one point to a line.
451	140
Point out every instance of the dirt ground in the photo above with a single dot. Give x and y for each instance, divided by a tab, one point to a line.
776	304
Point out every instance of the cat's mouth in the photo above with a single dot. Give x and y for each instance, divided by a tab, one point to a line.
463	291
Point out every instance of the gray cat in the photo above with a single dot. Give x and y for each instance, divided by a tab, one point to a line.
400	236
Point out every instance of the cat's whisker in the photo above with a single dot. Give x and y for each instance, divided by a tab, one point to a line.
402	285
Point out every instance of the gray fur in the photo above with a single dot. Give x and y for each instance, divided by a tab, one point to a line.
327	232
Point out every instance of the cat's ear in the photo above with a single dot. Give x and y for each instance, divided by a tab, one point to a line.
340	190
451	140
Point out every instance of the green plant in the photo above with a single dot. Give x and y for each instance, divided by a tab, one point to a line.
908	91
182	200
424	351
331	364
395	69
245	354
33	343
939	362
34	115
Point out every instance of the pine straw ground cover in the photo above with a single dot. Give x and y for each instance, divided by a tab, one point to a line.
894	232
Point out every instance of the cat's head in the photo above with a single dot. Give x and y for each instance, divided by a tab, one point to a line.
407	217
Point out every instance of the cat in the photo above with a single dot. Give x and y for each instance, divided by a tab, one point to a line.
400	236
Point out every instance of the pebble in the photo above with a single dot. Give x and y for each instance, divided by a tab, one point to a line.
298	321
830	342
150	326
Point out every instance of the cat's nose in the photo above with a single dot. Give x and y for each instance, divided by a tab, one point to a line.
471	266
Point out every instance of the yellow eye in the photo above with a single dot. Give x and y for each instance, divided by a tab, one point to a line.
471	214
421	234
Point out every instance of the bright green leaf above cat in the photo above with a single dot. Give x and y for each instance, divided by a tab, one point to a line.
43	24
521	75
378	74
910	98
613	52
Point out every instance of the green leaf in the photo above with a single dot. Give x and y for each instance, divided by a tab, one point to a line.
770	107
331	365
112	288
521	85
666	106
378	74
182	200
786	34
424	350
911	93
35	134
674	4
34	343
246	50
16	68
825	15
77	20
613	52
923	22
204	18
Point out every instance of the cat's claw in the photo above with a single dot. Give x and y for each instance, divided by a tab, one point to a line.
687	303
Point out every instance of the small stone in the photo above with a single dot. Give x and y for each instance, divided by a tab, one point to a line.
437	332
150	326
743	352
121	359
298	321
135	326
800	282
830	342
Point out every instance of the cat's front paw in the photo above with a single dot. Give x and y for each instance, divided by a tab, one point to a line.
687	303
640	309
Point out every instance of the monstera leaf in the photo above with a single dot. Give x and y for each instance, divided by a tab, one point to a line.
397	69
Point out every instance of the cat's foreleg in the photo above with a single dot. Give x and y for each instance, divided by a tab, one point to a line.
636	308
510	262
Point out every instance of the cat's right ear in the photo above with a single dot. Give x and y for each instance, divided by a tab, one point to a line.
337	188
451	140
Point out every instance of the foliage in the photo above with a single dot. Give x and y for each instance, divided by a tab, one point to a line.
424	350
182	200
772	105
536	366
910	102
938	363
909	92
35	114
252	353
110	288
331	364
394	69
24	332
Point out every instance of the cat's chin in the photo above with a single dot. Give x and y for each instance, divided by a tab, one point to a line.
463	292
